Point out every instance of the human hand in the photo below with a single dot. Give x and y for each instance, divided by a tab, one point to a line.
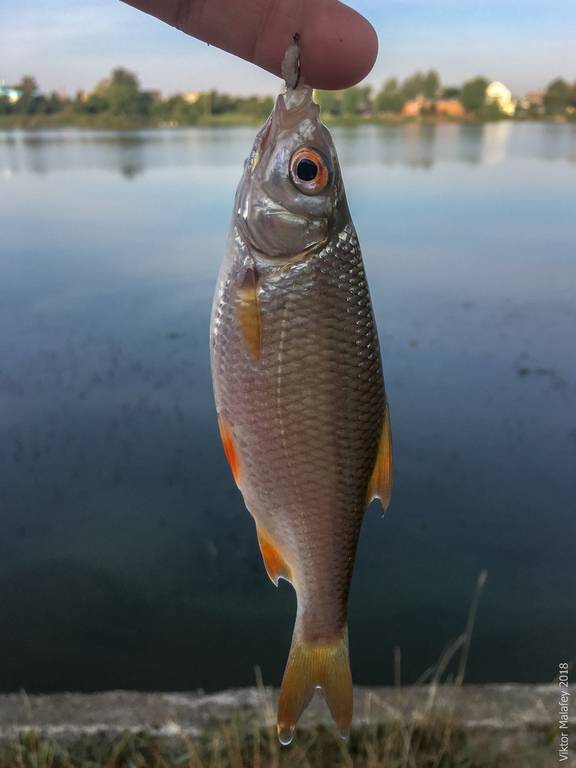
338	47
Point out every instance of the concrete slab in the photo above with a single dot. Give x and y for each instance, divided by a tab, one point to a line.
505	708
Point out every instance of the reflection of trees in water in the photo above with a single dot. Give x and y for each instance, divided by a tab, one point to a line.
484	143
130	171
416	145
421	145
557	143
41	153
130	159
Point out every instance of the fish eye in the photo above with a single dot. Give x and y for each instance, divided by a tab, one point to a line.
309	171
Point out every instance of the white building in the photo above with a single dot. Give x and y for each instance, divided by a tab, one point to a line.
12	94
497	93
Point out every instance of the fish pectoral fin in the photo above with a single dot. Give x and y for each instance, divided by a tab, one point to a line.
309	665
247	305
276	565
229	446
380	485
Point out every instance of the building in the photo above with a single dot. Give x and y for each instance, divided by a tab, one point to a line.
533	102
191	97
9	93
414	107
535	98
450	108
497	93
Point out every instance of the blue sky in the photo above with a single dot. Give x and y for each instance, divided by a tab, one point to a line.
71	44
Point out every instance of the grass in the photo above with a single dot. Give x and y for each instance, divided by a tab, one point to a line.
435	742
430	737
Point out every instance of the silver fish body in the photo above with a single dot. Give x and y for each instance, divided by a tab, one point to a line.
299	388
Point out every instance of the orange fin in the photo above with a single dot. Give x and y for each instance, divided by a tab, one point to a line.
381	481
310	665
276	565
248	311
229	447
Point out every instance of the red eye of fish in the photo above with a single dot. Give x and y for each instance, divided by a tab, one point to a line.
309	171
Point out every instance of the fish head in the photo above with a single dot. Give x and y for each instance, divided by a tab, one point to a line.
291	190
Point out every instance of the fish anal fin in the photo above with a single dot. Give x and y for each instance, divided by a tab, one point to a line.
247	307
310	665
276	565
381	481
229	446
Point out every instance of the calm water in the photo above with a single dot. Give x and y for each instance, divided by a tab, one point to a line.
126	556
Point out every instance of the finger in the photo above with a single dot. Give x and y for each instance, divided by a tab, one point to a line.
338	46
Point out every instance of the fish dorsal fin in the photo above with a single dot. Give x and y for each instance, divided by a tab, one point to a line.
229	447
276	565
381	481
248	311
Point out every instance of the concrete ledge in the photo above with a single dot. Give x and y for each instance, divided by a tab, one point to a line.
509	709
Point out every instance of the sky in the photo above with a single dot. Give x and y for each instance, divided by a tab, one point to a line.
71	44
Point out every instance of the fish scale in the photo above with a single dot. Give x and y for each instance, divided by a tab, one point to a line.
299	391
314	437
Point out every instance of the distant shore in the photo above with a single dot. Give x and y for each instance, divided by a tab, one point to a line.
111	123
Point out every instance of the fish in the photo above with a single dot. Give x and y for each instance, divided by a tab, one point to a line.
299	389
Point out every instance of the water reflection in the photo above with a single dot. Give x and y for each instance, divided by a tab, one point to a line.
414	145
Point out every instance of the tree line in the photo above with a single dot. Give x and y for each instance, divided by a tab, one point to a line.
559	98
120	97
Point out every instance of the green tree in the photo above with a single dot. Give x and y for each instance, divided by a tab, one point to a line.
94	104
221	102
413	86
473	94
356	100
121	93
491	112
330	101
54	103
557	97
258	106
390	98
178	110
28	88
431	84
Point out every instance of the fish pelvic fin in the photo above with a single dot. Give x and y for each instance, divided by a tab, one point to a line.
380	485
311	665
229	446
276	565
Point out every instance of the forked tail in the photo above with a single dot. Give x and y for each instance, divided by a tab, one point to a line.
311	665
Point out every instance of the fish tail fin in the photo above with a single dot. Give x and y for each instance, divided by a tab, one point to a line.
323	665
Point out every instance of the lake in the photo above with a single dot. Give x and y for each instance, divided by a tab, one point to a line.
127	558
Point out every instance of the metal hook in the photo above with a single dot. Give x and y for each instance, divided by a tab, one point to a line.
291	63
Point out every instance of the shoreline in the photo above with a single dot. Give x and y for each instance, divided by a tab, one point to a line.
41	122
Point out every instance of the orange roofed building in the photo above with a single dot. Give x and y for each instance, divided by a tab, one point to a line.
450	108
413	107
446	107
